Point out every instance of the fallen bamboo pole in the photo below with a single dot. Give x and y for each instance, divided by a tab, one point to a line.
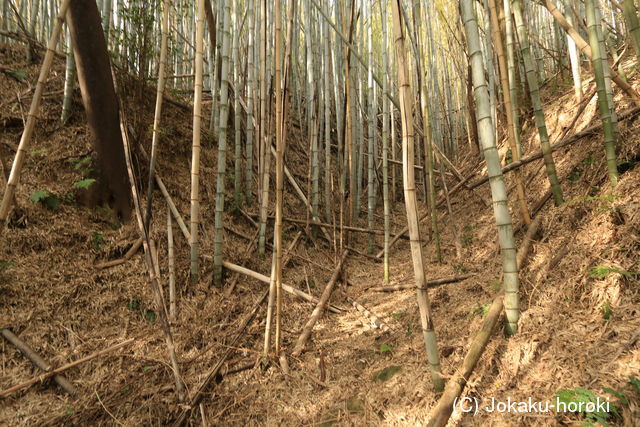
442	411
290	289
132	250
429	283
317	312
37	360
63	368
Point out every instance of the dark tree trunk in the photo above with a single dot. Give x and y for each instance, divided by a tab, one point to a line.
100	101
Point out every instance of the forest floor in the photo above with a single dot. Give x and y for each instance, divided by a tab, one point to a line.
580	291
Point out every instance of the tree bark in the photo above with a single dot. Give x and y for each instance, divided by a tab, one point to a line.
100	100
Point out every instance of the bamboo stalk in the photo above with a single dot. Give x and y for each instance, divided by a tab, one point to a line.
194	219
25	140
506	95
406	111
172	268
584	48
158	108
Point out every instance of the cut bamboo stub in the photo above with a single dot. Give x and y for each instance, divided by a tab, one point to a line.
442	411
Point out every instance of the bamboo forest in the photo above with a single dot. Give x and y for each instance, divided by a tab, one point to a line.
320	212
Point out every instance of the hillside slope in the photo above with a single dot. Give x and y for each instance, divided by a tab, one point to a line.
580	291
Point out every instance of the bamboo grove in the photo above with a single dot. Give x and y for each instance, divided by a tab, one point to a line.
382	97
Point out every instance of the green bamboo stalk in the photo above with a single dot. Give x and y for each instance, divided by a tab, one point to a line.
534	93
237	173
264	154
633	25
222	145
328	199
385	144
371	193
406	108
251	90
603	103
498	188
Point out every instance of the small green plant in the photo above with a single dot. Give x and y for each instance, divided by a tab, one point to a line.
134	304
6	264
574	175
589	161
397	315
635	384
409	331
467	236
622	398
606	310
18	74
496	285
98	240
480	310
46	198
150	316
40	152
386	373
82	164
585	402
69	412
84	184
385	348
602	271
459	269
